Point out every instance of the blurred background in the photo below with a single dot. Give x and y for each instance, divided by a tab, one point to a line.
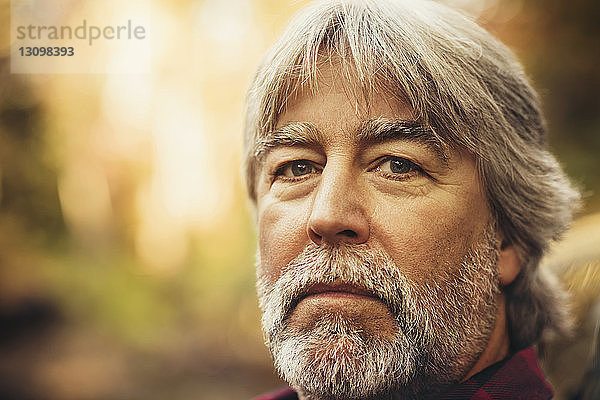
126	242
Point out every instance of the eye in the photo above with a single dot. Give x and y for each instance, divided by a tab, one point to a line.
397	168
297	169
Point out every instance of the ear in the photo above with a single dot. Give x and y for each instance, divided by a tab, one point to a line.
509	264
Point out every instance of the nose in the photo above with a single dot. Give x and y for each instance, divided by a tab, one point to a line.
338	212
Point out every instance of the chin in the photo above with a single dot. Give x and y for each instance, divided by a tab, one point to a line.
336	358
366	317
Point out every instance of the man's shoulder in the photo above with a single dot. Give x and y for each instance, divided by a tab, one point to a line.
517	377
281	394
521	377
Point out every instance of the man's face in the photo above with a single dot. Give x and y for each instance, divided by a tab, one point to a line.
375	242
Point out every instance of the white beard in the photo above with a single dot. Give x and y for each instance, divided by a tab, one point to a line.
442	326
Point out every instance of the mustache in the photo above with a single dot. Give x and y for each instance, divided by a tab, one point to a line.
354	267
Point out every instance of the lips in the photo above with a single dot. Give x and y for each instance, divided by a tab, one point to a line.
337	288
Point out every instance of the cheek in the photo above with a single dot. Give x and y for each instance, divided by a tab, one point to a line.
281	235
428	235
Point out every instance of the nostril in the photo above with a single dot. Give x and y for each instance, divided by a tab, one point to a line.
315	237
332	230
349	233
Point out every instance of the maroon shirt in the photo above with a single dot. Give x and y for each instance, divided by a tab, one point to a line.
517	377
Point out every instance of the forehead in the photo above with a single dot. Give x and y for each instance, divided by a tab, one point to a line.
337	100
336	109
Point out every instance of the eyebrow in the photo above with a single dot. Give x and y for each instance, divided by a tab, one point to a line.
382	130
292	134
374	131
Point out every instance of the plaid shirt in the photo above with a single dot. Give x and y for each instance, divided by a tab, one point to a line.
517	377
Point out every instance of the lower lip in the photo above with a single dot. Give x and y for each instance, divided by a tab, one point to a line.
338	295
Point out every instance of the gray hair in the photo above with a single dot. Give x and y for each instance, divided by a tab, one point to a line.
469	89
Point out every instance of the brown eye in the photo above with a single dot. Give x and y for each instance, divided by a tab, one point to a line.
297	169
398	165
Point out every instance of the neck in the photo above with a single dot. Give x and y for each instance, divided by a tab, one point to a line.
498	345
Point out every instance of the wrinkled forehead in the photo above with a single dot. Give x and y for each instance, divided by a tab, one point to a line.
335	108
337	81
